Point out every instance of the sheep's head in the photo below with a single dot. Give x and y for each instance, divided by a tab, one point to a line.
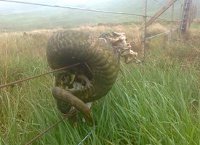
119	43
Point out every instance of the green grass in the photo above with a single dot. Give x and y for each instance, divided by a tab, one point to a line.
152	103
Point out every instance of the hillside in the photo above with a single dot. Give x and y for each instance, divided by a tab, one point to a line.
26	17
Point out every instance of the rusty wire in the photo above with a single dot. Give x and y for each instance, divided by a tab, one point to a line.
45	131
71	113
80	9
37	76
160	34
88	135
39	135
69	7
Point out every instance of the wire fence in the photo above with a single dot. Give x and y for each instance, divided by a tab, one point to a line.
81	9
37	76
90	10
161	34
72	8
145	16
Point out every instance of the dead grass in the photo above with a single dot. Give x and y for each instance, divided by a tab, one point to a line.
156	29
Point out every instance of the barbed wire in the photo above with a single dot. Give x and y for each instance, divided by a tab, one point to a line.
47	130
160	34
89	134
66	116
37	76
78	8
69	7
156	1
159	2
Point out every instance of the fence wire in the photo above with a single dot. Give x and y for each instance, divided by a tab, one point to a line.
39	135
160	34
37	76
46	130
73	8
81	9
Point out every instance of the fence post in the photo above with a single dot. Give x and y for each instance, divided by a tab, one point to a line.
145	30
186	16
172	22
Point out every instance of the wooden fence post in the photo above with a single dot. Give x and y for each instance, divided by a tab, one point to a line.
186	16
145	30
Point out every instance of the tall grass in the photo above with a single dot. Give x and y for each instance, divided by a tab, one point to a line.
152	103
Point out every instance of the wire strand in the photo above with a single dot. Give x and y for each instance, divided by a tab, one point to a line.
160	34
44	132
48	129
69	7
77	8
37	76
89	134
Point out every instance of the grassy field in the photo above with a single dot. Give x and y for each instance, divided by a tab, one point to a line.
156	102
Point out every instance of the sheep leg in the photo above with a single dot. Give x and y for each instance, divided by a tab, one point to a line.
68	97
